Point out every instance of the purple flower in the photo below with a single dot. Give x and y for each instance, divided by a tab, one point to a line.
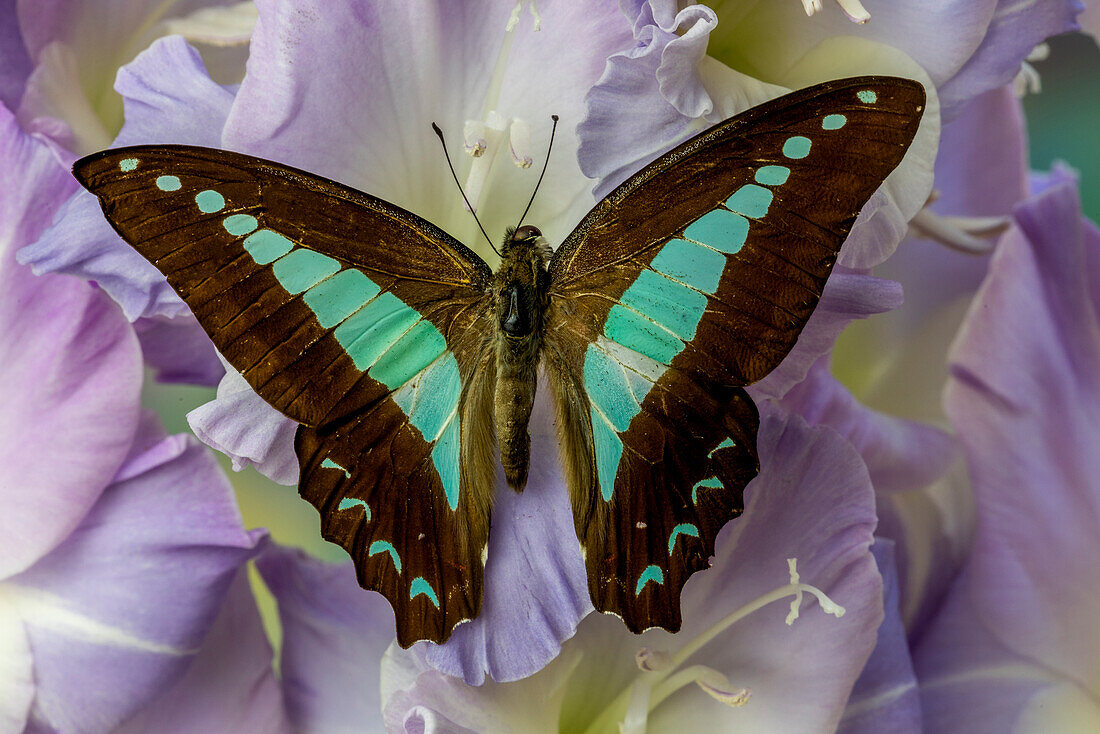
120	542
1019	631
106	518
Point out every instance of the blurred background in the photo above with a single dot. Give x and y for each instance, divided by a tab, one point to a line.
1064	124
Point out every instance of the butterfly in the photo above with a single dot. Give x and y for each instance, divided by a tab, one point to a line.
411	366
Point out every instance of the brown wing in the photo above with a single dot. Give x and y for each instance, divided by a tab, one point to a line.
353	317
690	280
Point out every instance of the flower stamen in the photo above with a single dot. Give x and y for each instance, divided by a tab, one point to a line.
969	235
519	143
513	19
1027	80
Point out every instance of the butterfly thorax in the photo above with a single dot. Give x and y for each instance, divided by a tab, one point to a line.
520	288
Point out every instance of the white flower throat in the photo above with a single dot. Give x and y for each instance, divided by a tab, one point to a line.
485	138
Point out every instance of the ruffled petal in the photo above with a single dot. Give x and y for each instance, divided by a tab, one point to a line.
1024	397
130	595
169	99
247	430
70	367
334	635
536	587
657	91
229	686
179	350
885	698
1014	29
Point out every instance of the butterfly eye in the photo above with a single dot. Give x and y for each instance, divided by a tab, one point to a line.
527	232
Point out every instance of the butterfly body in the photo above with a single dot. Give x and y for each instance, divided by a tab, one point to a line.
411	367
520	295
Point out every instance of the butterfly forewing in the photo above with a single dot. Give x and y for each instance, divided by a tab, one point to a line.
351	316
693	278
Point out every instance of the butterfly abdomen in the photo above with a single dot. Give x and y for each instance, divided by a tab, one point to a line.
519	294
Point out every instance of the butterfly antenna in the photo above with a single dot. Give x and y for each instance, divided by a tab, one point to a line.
439	133
544	165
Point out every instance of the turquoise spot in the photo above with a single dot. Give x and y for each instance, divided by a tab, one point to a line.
671	304
267	246
772	175
238	224
384	546
835	122
210	201
330	464
751	200
303	268
168	183
796	147
867	96
724	445
420	586
719	229
128	164
636	332
607	388
340	296
609	451
691	264
416	349
709	483
371	330
349	502
436	397
445	458
651	573
684	528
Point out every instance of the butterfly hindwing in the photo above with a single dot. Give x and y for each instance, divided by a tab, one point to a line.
690	280
351	316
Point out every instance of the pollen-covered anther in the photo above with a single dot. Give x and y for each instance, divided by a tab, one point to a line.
519	143
651	660
725	693
490	132
1027	79
473	134
852	8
